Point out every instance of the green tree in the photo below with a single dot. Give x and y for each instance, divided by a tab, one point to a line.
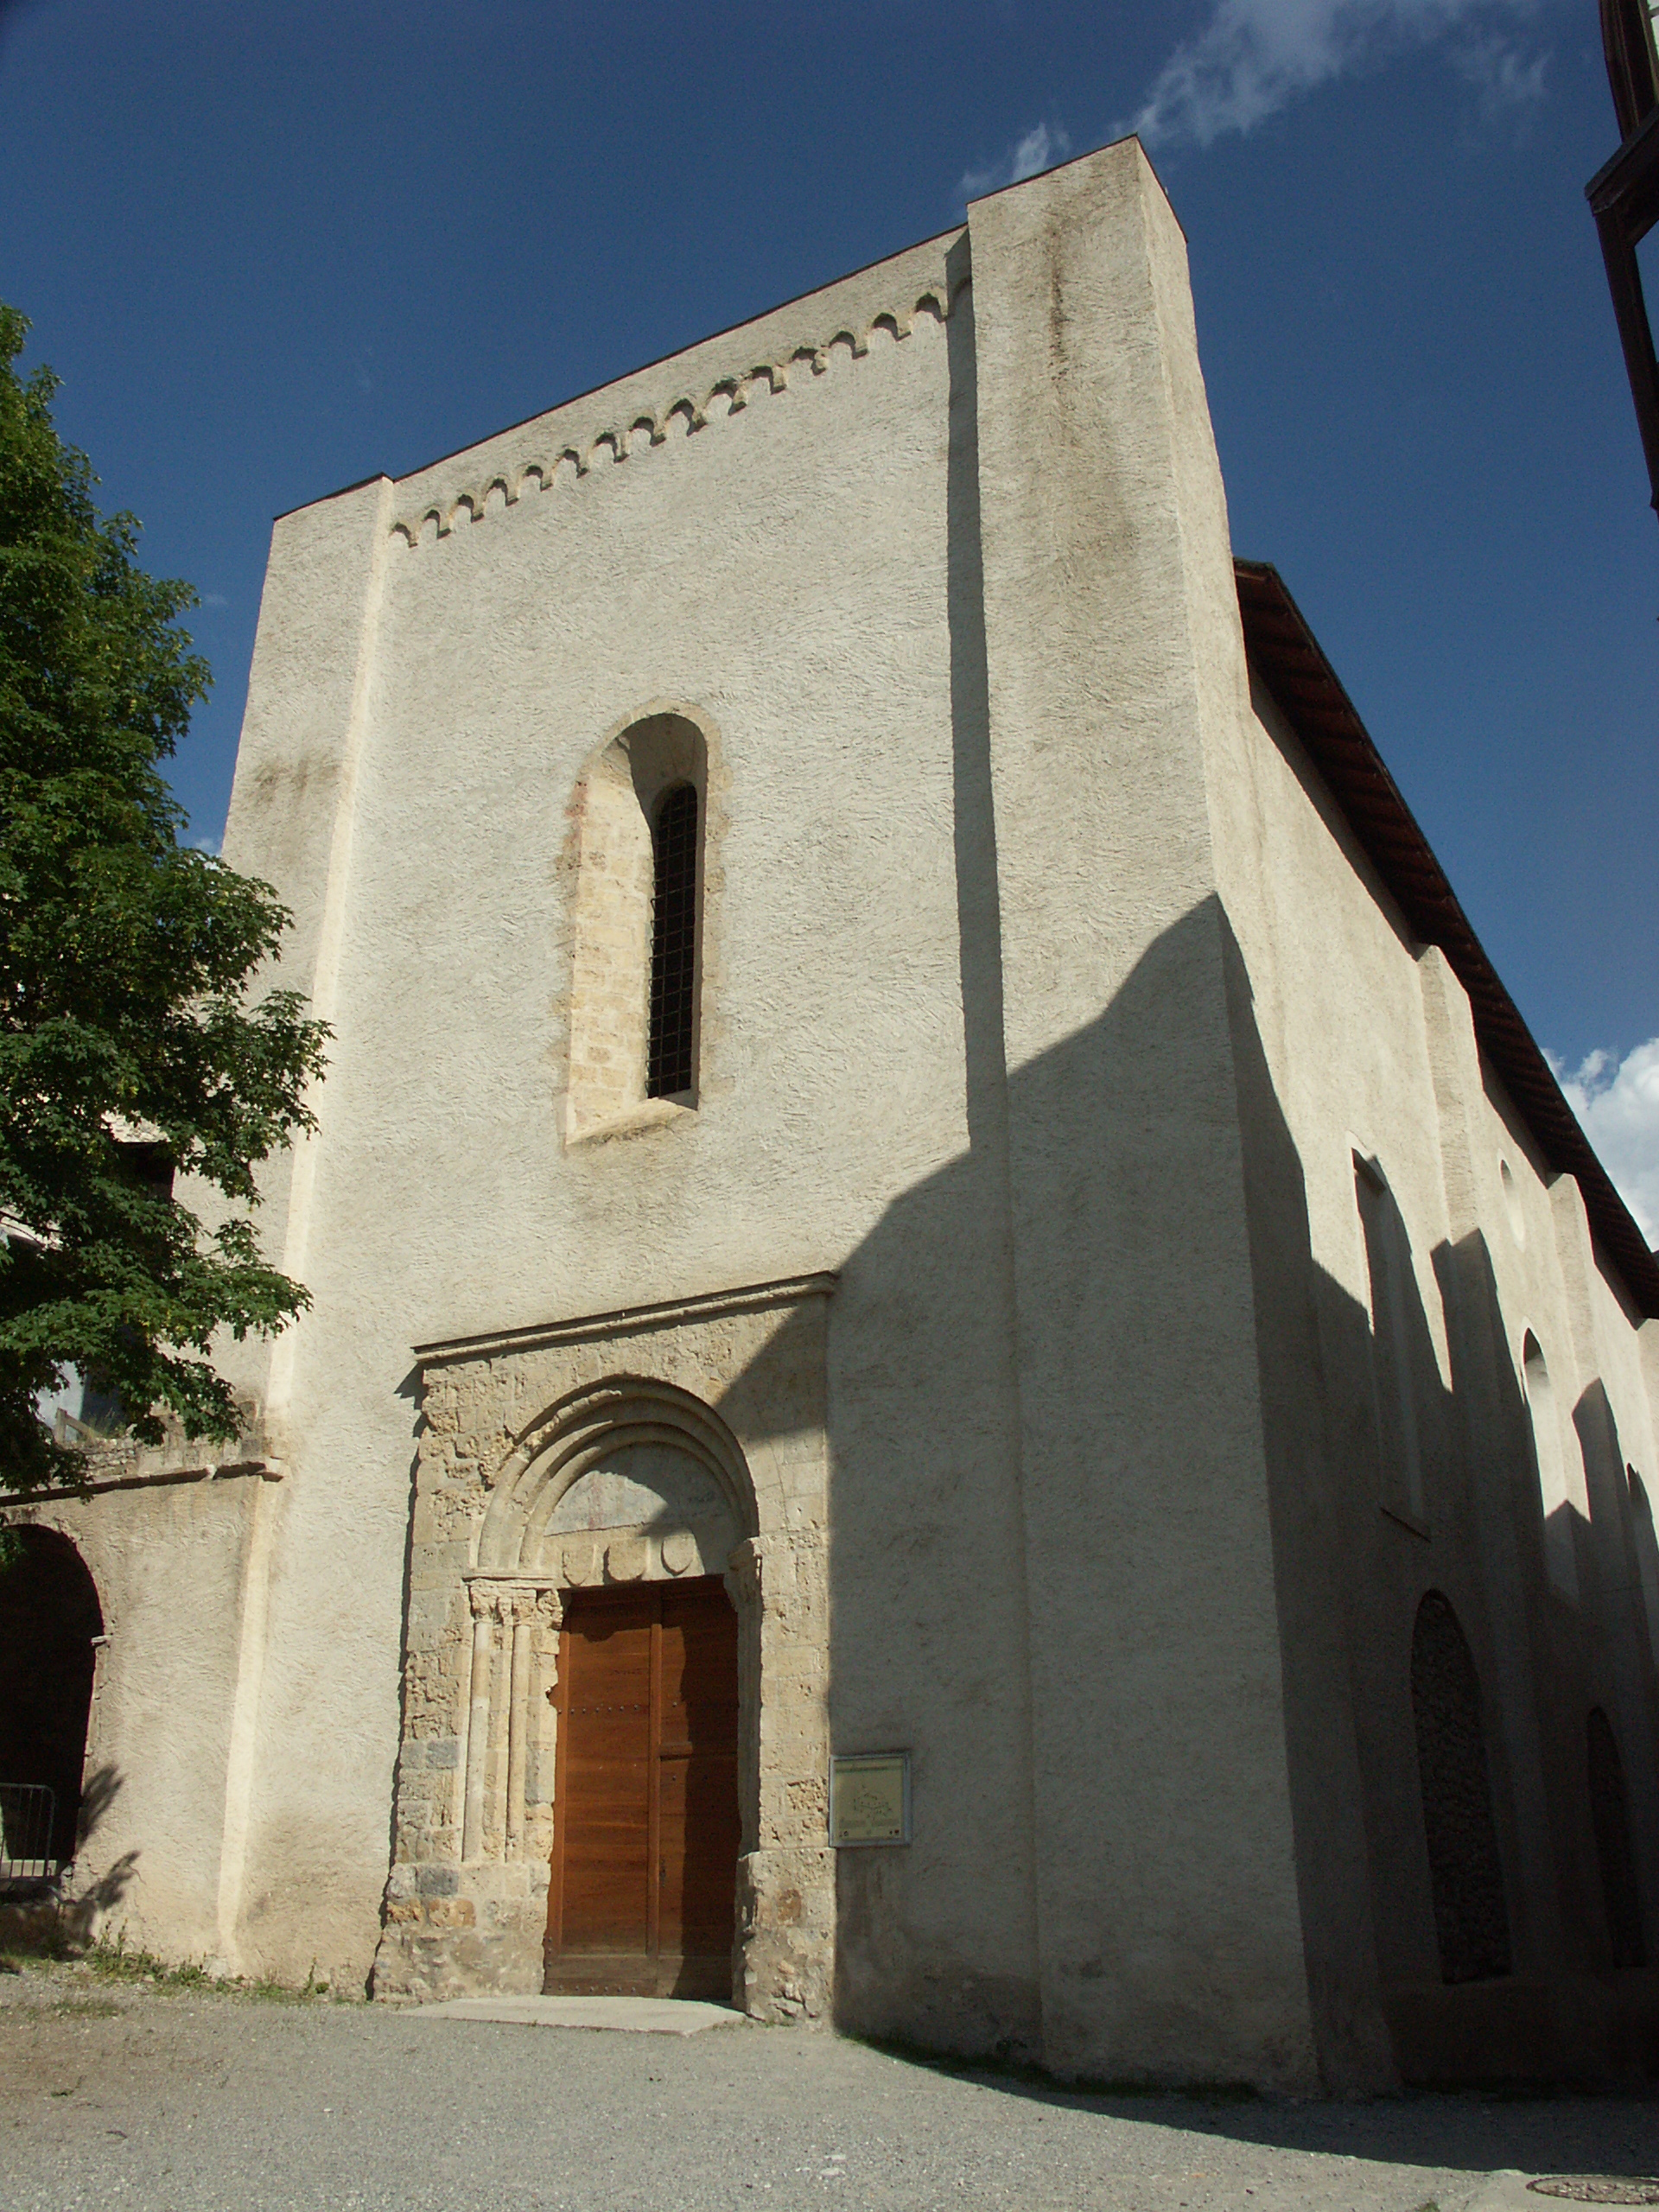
129	1041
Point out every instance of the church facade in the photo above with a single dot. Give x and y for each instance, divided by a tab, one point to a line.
965	1375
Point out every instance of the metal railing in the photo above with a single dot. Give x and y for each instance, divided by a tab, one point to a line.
28	1810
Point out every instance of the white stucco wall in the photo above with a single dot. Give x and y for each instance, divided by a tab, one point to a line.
780	576
171	1561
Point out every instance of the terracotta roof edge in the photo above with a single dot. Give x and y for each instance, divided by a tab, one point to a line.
1275	630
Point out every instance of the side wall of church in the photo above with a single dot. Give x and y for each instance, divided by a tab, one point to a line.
1356	1049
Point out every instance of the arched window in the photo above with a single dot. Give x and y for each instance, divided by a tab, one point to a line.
671	1054
1471	1921
1609	1815
636	923
1562	1485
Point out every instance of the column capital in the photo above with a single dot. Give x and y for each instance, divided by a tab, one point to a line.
481	1596
744	1564
511	1599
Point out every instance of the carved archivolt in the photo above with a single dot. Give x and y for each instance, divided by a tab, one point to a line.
682	415
586	1430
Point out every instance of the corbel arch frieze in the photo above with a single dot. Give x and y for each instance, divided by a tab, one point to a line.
601	445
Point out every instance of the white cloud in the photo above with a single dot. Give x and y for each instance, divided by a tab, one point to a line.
1617	1105
211	845
1043	145
1506	81
215	599
1254	57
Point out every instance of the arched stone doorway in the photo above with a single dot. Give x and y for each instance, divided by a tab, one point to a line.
626	1462
49	1619
646	1825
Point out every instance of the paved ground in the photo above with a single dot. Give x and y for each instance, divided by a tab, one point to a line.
117	2095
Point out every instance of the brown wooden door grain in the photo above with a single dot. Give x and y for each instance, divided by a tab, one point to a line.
646	1820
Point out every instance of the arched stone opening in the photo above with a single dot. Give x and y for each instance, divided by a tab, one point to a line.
625	1481
50	1620
1470	1919
617	957
653	1426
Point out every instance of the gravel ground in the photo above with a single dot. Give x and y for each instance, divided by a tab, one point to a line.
120	2094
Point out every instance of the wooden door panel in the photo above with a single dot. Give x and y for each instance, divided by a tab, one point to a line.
607	1760
699	1673
646	1827
698	1773
699	1852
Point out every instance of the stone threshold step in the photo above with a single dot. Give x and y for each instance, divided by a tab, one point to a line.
647	2016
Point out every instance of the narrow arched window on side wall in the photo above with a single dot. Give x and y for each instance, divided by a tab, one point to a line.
1609	1816
1471	1923
671	1053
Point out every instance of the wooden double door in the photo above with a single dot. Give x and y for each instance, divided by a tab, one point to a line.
645	1836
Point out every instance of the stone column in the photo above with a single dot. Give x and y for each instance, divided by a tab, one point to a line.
743	1586
482	1598
537	1786
519	1604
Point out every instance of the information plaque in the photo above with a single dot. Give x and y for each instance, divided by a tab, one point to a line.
869	1798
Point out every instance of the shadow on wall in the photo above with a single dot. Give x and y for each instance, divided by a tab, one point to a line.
1092	1718
1464	1892
92	1901
1392	1824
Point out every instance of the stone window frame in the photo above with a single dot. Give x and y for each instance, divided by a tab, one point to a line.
617	796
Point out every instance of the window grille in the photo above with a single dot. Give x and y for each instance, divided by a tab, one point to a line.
27	1816
673	944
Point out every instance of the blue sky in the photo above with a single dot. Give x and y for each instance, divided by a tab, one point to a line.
275	249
